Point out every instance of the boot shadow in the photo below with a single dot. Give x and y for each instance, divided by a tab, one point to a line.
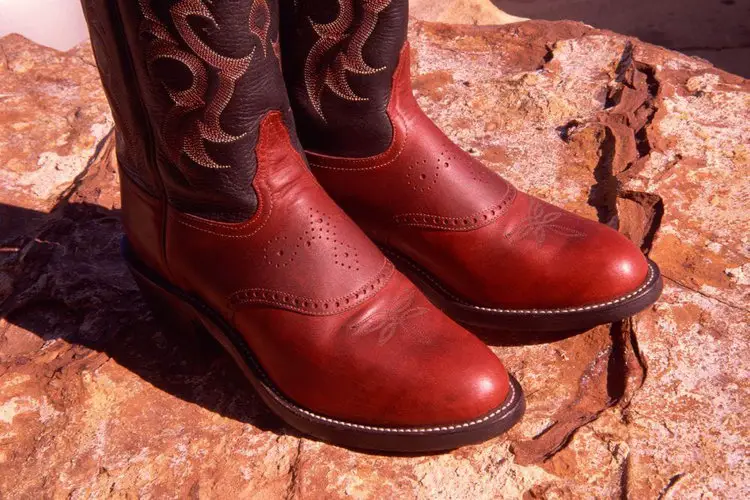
71	283
510	338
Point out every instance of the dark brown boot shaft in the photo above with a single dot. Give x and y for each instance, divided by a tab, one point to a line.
339	59
189	81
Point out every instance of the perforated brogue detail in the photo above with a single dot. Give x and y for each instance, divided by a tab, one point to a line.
466	223
319	235
307	305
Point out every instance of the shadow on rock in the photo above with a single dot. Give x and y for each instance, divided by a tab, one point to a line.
513	338
62	277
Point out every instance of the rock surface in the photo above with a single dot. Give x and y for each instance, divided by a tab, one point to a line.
718	31
96	400
460	12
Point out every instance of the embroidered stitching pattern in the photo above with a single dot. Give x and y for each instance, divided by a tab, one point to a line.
386	157
387	323
322	70
538	223
276	47
316	307
262	192
163	45
260	23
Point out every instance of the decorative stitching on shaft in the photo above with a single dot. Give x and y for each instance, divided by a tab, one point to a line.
189	139
321	70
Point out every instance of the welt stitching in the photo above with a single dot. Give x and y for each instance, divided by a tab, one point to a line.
649	279
416	430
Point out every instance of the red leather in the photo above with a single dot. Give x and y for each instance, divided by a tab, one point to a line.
142	219
334	325
473	231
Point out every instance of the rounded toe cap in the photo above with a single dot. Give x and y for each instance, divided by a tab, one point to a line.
470	386
483	390
622	268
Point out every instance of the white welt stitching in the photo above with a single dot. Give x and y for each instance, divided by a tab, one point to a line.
649	280
510	400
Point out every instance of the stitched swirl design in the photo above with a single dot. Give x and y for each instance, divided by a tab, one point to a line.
338	51
195	118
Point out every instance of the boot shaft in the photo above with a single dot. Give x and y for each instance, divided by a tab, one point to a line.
339	57
188	82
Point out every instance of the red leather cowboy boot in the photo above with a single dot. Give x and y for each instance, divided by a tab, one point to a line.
227	228
486	253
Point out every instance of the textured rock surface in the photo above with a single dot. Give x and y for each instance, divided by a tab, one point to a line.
460	12
718	31
53	114
97	400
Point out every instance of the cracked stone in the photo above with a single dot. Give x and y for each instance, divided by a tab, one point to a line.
98	400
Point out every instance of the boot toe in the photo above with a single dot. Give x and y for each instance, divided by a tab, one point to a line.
481	390
621	267
451	379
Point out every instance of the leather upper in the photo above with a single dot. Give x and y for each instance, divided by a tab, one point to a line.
334	325
484	241
205	74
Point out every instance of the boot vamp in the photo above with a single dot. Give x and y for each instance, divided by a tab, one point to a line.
337	329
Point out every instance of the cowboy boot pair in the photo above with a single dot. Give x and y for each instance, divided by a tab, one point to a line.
227	229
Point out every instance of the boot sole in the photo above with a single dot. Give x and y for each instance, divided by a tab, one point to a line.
531	320
178	308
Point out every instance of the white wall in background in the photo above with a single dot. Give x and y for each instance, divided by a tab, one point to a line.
55	23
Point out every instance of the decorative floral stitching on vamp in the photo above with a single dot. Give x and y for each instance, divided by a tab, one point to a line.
539	222
390	321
